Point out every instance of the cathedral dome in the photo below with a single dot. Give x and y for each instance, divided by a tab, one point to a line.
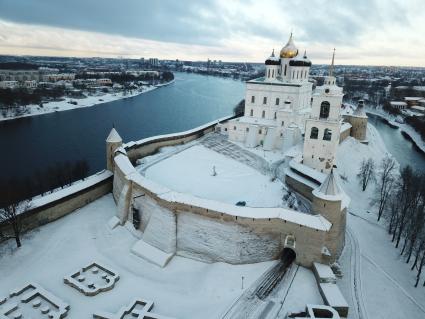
273	60
289	50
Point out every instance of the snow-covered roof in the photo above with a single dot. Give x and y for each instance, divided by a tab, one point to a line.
255	121
329	186
114	137
345	126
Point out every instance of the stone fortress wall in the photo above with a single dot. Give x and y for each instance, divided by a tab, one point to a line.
182	224
60	203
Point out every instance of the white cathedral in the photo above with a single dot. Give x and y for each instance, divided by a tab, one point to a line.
282	106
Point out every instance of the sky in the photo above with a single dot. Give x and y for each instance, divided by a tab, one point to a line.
364	32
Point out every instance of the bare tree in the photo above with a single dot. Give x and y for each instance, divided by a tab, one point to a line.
366	172
385	182
10	217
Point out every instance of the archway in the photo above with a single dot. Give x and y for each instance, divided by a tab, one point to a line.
288	256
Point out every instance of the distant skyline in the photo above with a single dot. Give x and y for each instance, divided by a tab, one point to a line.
364	32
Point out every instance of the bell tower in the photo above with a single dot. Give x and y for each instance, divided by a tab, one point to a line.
322	128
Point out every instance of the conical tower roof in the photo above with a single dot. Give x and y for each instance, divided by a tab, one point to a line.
330	186
113	137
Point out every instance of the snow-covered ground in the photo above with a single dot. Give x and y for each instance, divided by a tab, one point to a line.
184	289
191	171
384	282
64	105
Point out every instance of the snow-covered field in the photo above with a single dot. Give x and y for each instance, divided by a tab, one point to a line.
191	171
184	289
64	105
386	282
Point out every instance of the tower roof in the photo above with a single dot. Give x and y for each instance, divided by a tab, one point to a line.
289	50
359	111
330	189
113	136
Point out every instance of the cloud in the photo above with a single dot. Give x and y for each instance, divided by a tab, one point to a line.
363	31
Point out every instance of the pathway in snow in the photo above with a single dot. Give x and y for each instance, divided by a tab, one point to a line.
220	144
252	304
356	275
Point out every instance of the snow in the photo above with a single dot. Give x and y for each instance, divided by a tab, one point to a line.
333	295
113	136
151	253
385	287
69	190
184	289
191	171
89	101
324	273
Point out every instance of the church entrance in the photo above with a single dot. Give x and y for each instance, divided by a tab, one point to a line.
288	256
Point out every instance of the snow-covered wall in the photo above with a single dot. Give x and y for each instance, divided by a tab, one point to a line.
47	208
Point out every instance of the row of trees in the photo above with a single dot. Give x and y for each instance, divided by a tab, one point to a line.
15	197
400	199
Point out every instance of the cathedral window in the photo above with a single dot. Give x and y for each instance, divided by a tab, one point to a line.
259	132
324	110
252	112
314	134
263	115
247	129
283	123
277	101
253	99
268	73
327	136
272	73
275	115
264	100
285	70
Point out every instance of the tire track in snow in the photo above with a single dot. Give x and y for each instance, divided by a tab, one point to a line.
357	281
409	296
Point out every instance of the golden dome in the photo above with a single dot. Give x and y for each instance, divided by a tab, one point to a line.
289	50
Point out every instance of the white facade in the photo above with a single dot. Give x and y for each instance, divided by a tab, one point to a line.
277	104
322	128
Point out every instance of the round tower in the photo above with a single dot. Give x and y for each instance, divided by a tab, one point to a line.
113	141
358	121
331	202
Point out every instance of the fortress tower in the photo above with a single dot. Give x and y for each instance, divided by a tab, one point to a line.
322	128
331	202
113	141
358	121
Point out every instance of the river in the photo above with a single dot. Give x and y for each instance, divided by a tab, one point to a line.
34	143
398	144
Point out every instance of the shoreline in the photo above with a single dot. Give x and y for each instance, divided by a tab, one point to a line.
89	101
408	131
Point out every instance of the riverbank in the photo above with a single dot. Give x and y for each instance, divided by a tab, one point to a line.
68	103
405	128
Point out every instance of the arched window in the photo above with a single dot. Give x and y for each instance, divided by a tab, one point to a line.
275	115
324	110
314	134
263	115
247	129
277	101
252	112
285	70
268	73
272	73
327	135
264	100
283	123
253	99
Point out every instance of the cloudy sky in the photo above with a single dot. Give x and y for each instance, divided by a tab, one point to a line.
374	32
